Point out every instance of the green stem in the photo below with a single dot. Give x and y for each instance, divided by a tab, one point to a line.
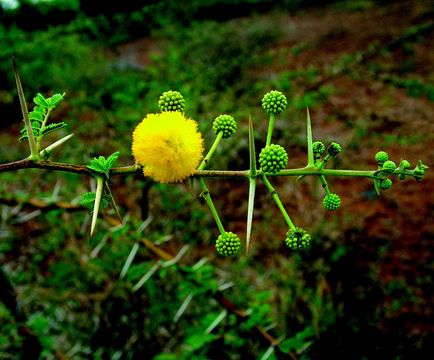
207	196
126	170
325	172
136	170
276	198
322	164
211	151
324	184
270	129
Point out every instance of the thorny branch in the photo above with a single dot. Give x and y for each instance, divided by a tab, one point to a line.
136	170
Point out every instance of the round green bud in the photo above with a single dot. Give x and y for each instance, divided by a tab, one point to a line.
419	171
334	149
389	166
385	184
381	157
331	202
421	166
404	165
226	124
297	239
273	158
171	101
274	102
318	147
228	244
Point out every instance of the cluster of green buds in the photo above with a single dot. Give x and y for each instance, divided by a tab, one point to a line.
331	201
318	149
228	243
387	167
297	239
274	102
273	159
224	124
171	101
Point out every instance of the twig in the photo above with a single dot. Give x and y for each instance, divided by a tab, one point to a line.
135	170
43	205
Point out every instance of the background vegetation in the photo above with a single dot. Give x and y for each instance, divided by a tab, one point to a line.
363	291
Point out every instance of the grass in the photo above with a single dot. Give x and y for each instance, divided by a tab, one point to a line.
313	302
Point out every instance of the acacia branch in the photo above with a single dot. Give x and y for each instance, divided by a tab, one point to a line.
136	170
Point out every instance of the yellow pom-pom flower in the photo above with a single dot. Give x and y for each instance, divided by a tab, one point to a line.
168	146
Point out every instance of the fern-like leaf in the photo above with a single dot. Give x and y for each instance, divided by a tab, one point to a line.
36	116
102	165
24	135
55	100
40	109
52	127
39	113
40	100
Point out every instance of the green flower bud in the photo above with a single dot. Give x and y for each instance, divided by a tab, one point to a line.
171	101
404	165
297	239
228	244
273	158
389	166
385	184
318	148
331	202
420	169
419	172
334	149
274	102
421	165
226	124
381	157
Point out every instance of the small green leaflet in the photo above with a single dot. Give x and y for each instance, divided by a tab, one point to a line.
41	101
88	200
52	127
55	100
102	165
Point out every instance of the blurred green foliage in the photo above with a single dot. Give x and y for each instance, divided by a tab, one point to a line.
76	303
